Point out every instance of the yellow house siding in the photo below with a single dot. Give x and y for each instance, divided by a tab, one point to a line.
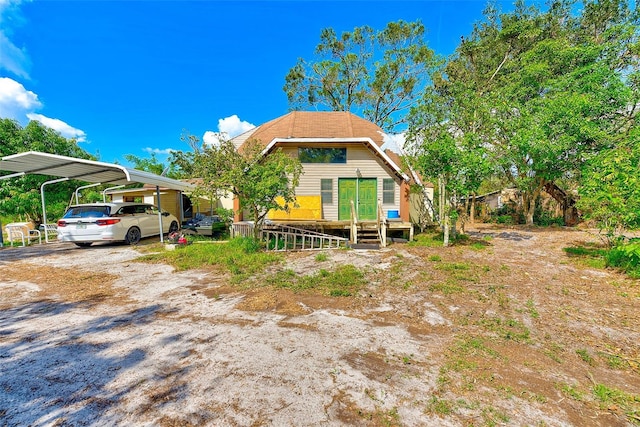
360	158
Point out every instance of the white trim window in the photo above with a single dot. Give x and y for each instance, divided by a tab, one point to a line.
388	191
326	190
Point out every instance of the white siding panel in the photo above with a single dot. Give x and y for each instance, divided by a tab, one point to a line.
358	157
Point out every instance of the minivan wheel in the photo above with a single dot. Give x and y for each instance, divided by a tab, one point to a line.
83	244
133	236
173	227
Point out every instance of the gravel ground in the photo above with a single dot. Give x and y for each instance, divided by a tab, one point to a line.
92	337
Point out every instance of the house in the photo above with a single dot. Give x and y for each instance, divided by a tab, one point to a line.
170	200
343	163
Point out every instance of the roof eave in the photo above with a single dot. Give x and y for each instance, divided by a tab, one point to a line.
368	141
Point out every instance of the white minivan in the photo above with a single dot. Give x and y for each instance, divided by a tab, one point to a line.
103	222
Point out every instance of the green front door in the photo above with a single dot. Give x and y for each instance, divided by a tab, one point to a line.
347	191
363	192
367	198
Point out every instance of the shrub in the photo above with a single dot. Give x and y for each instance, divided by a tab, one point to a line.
625	256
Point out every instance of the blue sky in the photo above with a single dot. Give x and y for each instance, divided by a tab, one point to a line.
126	77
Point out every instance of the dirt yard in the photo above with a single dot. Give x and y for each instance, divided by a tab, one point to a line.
504	330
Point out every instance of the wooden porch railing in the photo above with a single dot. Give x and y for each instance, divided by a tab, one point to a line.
354	223
382	226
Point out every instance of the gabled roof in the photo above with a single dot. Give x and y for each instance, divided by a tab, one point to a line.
326	127
314	124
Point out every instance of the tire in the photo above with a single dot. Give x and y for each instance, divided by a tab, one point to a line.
83	244
133	236
173	227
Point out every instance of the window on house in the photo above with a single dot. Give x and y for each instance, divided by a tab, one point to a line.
134	199
326	190
388	191
322	155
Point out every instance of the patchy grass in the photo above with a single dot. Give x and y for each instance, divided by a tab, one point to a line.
571	391
242	257
625	257
321	257
429	240
585	356
448	287
345	281
613	399
507	329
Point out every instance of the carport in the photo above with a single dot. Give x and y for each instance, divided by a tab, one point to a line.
98	173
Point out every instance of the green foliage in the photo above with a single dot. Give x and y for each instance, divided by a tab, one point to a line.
542	92
20	198
377	74
610	190
153	165
257	180
624	256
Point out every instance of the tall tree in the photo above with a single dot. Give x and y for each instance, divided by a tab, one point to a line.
443	152
610	190
20	197
256	180
541	90
377	74
153	165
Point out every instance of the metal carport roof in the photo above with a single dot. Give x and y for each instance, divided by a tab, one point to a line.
34	162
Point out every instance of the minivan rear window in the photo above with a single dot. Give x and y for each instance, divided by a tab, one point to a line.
87	212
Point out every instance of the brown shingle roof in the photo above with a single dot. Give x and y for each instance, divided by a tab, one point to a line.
318	124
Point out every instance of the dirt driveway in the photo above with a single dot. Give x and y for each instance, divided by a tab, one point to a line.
506	330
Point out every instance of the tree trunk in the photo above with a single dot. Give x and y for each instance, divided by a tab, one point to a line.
446	231
530	211
472	214
256	225
568	204
529	205
466	204
441	202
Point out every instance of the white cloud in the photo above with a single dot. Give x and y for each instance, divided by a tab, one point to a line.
58	125
233	126
166	151
213	138
12	58
393	142
15	100
228	127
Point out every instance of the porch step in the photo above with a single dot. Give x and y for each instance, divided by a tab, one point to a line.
372	246
368	235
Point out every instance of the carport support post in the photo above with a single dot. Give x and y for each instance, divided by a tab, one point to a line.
44	209
83	187
159	214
